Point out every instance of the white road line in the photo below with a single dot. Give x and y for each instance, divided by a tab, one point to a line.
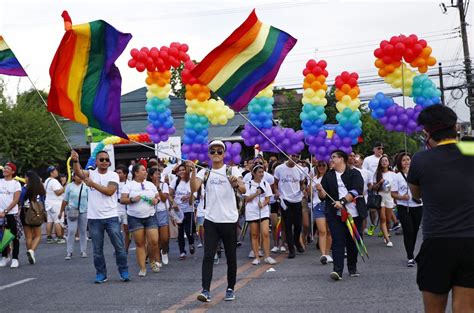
16	283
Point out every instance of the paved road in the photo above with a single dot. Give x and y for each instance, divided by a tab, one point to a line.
300	285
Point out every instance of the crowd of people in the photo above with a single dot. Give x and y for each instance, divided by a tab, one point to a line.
277	200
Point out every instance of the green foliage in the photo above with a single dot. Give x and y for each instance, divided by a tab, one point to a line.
289	114
177	86
29	136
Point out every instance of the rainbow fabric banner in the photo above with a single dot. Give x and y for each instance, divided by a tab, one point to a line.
245	63
85	83
9	64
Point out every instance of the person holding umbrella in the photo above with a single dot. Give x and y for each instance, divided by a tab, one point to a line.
342	189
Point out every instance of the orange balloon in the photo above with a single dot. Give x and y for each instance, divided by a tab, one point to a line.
196	88
321	79
202	96
310	78
353	93
431	61
346	88
390	68
316	85
325	87
188	95
379	63
339	94
426	52
306	85
382	73
423	69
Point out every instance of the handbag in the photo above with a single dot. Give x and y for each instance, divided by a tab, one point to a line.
374	200
35	215
73	213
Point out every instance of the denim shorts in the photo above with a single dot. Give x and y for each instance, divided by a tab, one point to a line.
136	223
318	211
200	220
162	218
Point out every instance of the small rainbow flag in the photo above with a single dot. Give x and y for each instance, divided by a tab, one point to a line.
245	63
9	64
85	83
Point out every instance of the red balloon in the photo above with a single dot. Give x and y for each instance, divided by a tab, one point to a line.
378	53
184	48
339	83
173	52
145	49
175	45
134	53
150	67
325	73
394	40
388	49
317	71
345	76
132	63
355	75
322	64
399	48
142	56
423	43
352	82
164	48
383	43
140	67
387	60
311	64
164	55
154	54
306	72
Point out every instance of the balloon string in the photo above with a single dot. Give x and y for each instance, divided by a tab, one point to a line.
403	101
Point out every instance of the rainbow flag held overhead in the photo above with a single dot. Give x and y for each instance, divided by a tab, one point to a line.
9	64
85	83
245	63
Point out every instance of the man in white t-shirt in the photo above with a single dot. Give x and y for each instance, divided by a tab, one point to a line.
102	214
372	161
221	216
10	190
54	198
290	181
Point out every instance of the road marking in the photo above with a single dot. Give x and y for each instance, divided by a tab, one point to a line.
16	283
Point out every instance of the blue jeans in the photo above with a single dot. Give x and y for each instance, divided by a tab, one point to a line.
112	227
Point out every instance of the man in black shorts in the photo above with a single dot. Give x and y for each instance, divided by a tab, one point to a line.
443	177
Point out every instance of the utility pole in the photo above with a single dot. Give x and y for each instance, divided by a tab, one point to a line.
441	83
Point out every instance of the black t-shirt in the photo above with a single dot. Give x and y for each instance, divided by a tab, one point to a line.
446	178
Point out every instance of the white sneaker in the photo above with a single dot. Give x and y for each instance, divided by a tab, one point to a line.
200	245
159	264
14	264
260	253
282	249
274	249
269	260
83	255
256	261
329	259
251	255
142	273
31	256
389	244
4	261
164	258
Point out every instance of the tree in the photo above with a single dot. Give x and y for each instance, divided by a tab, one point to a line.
28	134
177	86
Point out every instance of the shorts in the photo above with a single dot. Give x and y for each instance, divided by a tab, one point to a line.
444	263
200	221
123	218
162	218
387	200
274	207
259	221
318	211
52	216
137	223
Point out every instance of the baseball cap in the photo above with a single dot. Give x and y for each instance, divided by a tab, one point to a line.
50	169
217	143
12	166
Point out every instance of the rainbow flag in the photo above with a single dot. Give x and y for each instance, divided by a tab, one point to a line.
85	83
9	64
245	63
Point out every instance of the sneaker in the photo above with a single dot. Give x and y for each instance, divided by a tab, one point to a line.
256	261
159	264
380	234
411	263
335	276
100	278
282	249
142	273
30	254
50	239
68	256
354	273
89	239
83	255
395	227
323	259
124	277
251	255
291	254
229	295
4	262
14	264
239	243
204	296
389	244
61	240
216	259
76	238
182	256
164	258
192	249
260	253
330	260
274	249
155	268
200	245
299	248
270	260
366	231
371	230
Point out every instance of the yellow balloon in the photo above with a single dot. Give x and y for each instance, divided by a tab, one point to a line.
309	93
340	106
346	100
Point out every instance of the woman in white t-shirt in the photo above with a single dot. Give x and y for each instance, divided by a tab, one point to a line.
319	215
382	184
162	214
183	200
141	196
257	213
410	211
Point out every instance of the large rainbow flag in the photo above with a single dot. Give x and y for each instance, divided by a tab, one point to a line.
245	63
85	83
9	64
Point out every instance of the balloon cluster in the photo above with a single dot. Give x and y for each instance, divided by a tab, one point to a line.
260	114
158	63
391	57
232	153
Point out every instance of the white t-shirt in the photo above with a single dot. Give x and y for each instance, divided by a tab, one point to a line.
266	177
251	208
370	163
351	207
200	206
366	177
121	208
51	185
289	179
183	189
221	206
101	206
163	206
388	180
316	181
7	191
140	209
400	185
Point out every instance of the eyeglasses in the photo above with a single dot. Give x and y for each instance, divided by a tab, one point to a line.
219	152
104	160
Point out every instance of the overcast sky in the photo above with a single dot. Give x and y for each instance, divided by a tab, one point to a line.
344	33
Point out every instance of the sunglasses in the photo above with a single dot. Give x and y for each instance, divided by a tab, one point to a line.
219	152
104	160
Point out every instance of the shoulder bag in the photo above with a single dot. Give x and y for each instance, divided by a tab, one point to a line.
73	213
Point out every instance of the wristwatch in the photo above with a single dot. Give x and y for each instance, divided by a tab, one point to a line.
131	200
343	201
